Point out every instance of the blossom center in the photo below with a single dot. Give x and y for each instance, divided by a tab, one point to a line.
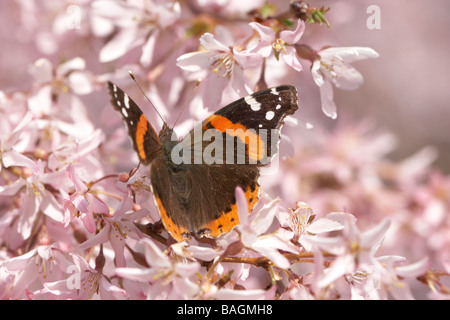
300	218
223	64
279	45
330	67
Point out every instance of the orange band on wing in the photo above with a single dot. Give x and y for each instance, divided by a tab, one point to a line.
141	131
230	219
177	232
256	147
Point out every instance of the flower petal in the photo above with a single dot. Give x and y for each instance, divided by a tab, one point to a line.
372	238
266	34
119	45
293	36
13	158
209	42
154	256
324	225
195	61
349	54
413	270
41	70
71	65
326	97
317	75
292	59
78	183
80	83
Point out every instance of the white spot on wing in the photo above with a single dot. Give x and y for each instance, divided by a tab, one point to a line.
270	115
255	105
278	106
126	99
274	91
124	112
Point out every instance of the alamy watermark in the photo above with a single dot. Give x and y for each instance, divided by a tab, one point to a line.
373	22
74	16
232	146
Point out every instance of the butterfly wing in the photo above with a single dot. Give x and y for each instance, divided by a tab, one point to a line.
199	196
146	142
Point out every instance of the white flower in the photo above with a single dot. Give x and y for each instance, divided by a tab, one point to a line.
332	66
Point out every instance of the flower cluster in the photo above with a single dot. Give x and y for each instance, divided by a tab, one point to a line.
338	220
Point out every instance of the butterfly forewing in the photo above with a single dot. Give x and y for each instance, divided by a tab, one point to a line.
145	141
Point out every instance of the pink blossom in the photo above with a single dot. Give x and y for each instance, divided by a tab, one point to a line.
222	63
32	270
82	204
252	232
118	227
140	24
8	155
88	283
280	45
170	280
35	198
332	66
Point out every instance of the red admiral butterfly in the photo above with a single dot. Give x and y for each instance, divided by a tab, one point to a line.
194	180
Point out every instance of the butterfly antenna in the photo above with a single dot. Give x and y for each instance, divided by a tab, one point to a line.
146	97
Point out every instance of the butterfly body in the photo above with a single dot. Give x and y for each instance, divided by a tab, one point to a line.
194	179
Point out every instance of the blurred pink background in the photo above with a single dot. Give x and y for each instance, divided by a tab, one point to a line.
406	89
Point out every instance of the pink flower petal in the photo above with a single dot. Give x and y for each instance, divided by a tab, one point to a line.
195	61
80	83
266	34
292	59
326	98
69	66
154	256
148	49
119	45
88	220
293	36
41	70
13	158
95	204
209	42
14	136
80	187
372	238
138	274
324	225
413	270
255	294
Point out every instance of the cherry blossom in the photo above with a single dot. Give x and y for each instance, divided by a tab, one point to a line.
8	155
281	44
221	64
140	24
332	66
82	204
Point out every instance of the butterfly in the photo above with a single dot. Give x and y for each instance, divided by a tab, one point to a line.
194	179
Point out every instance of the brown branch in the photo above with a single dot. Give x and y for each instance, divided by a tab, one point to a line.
265	262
